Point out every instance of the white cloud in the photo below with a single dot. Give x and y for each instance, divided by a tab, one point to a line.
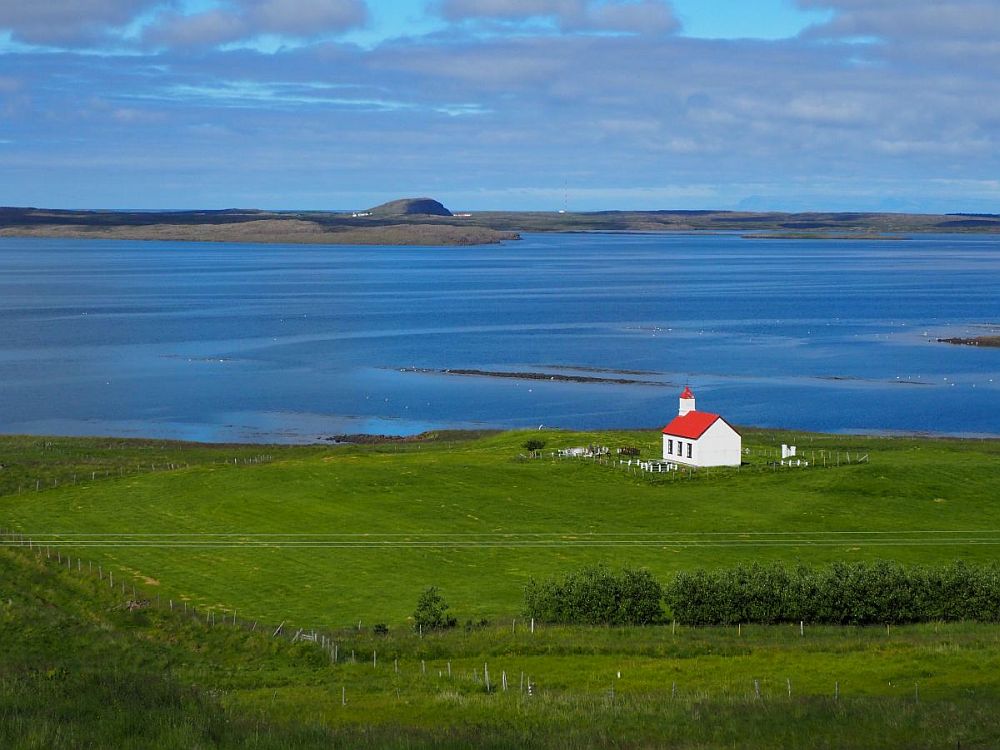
253	18
908	19
305	18
197	30
634	16
68	21
601	111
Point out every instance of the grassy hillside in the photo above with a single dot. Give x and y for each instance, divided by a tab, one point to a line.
325	536
79	669
328	536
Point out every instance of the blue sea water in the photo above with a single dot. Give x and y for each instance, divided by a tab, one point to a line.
242	342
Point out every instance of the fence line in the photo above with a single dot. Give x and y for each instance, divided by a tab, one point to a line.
754	691
652	469
80	477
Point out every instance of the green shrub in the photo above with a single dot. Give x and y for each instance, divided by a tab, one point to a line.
533	445
841	593
430	612
596	596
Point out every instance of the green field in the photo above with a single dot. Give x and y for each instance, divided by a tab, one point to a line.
78	669
324	537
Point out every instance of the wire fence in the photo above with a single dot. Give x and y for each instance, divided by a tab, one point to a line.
342	649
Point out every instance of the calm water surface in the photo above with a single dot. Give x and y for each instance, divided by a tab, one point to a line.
291	343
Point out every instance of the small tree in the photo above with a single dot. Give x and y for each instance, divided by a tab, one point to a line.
431	609
534	445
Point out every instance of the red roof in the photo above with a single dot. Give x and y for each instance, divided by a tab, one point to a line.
692	425
687	393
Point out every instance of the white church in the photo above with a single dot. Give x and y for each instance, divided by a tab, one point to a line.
700	438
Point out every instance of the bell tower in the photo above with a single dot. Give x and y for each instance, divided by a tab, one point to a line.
686	402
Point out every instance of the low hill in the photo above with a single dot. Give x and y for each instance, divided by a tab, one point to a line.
410	207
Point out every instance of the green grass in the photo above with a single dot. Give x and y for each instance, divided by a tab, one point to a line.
80	670
77	669
473	518
32	464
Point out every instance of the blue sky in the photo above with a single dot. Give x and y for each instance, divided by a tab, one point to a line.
507	104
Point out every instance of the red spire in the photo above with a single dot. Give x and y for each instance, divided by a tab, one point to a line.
687	393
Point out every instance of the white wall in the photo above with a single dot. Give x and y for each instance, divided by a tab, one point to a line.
719	445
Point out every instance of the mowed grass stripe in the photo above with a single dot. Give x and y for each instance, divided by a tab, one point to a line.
541	540
565	534
622	544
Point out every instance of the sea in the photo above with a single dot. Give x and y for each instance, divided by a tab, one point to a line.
225	342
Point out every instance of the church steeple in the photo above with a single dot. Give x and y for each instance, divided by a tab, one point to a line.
686	402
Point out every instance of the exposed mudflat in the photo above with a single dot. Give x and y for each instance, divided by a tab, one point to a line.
537	376
993	341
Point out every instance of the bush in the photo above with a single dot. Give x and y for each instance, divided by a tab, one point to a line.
842	594
430	612
596	596
533	445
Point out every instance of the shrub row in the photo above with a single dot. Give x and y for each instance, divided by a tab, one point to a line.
596	596
842	593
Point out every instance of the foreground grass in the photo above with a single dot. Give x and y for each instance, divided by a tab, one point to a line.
80	670
323	537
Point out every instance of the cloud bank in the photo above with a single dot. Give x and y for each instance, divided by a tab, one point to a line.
886	105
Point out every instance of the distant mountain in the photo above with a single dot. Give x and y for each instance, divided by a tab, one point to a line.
410	207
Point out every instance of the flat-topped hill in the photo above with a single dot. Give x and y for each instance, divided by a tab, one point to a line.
411	207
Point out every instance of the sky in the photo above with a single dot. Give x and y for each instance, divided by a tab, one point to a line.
889	105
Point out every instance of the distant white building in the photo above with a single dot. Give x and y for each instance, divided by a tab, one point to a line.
700	438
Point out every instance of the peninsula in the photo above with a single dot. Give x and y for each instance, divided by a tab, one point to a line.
413	221
425	221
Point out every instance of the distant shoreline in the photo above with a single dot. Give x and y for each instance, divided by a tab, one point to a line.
288	231
397	223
